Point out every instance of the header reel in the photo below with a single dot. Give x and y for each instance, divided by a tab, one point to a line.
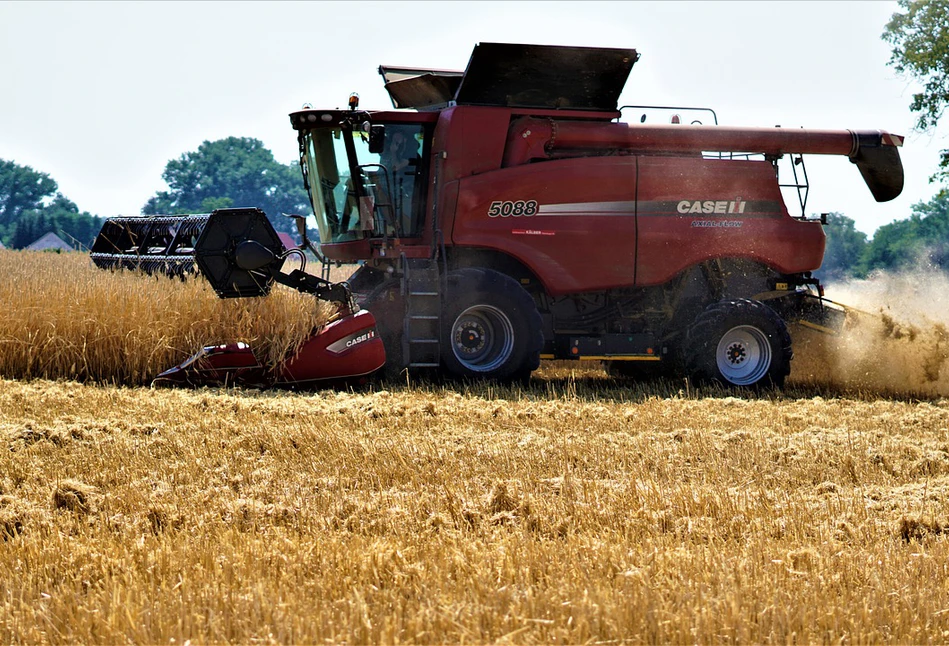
236	250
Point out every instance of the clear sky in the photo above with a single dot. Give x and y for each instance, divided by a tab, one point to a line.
101	95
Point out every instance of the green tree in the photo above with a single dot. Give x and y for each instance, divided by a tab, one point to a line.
61	217
922	238
934	227
920	39
893	246
232	172
845	247
21	189
30	207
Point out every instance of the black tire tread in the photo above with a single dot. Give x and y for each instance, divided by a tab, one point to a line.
470	283
705	332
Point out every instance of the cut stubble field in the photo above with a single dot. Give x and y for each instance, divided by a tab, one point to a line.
578	509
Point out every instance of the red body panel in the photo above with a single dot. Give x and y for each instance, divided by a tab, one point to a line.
472	140
743	215
352	251
608	222
346	349
565	251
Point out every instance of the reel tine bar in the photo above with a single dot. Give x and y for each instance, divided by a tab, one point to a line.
162	244
236	250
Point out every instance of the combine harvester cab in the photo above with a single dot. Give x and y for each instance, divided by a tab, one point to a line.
239	253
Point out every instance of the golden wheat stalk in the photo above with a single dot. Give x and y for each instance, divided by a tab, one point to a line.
62	318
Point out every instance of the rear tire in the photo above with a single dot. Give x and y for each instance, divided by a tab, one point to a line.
491	328
739	343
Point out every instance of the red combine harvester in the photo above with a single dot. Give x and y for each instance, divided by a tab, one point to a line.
506	214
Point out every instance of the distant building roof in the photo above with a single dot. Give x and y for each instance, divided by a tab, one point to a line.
48	242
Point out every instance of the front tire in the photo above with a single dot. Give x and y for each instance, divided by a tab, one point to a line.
740	343
491	327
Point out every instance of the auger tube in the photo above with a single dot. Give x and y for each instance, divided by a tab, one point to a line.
873	151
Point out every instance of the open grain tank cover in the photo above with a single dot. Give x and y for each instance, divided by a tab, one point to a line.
420	88
545	76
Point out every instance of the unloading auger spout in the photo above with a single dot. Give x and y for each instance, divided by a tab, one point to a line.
874	152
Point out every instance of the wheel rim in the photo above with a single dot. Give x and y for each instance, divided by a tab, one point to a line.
482	338
743	355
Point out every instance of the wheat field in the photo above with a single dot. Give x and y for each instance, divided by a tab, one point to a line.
60	317
578	509
574	511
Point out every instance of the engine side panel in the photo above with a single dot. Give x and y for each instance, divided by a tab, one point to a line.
571	221
692	210
594	223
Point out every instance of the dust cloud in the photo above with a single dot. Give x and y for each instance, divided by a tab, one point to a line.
895	339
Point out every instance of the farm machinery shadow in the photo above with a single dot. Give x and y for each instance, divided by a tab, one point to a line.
554	381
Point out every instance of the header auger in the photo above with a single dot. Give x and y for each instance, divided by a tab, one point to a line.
506	214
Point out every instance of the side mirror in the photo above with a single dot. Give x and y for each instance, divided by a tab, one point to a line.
377	139
300	221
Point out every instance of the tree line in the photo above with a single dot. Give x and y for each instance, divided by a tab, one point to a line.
231	172
922	240
242	172
31	206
